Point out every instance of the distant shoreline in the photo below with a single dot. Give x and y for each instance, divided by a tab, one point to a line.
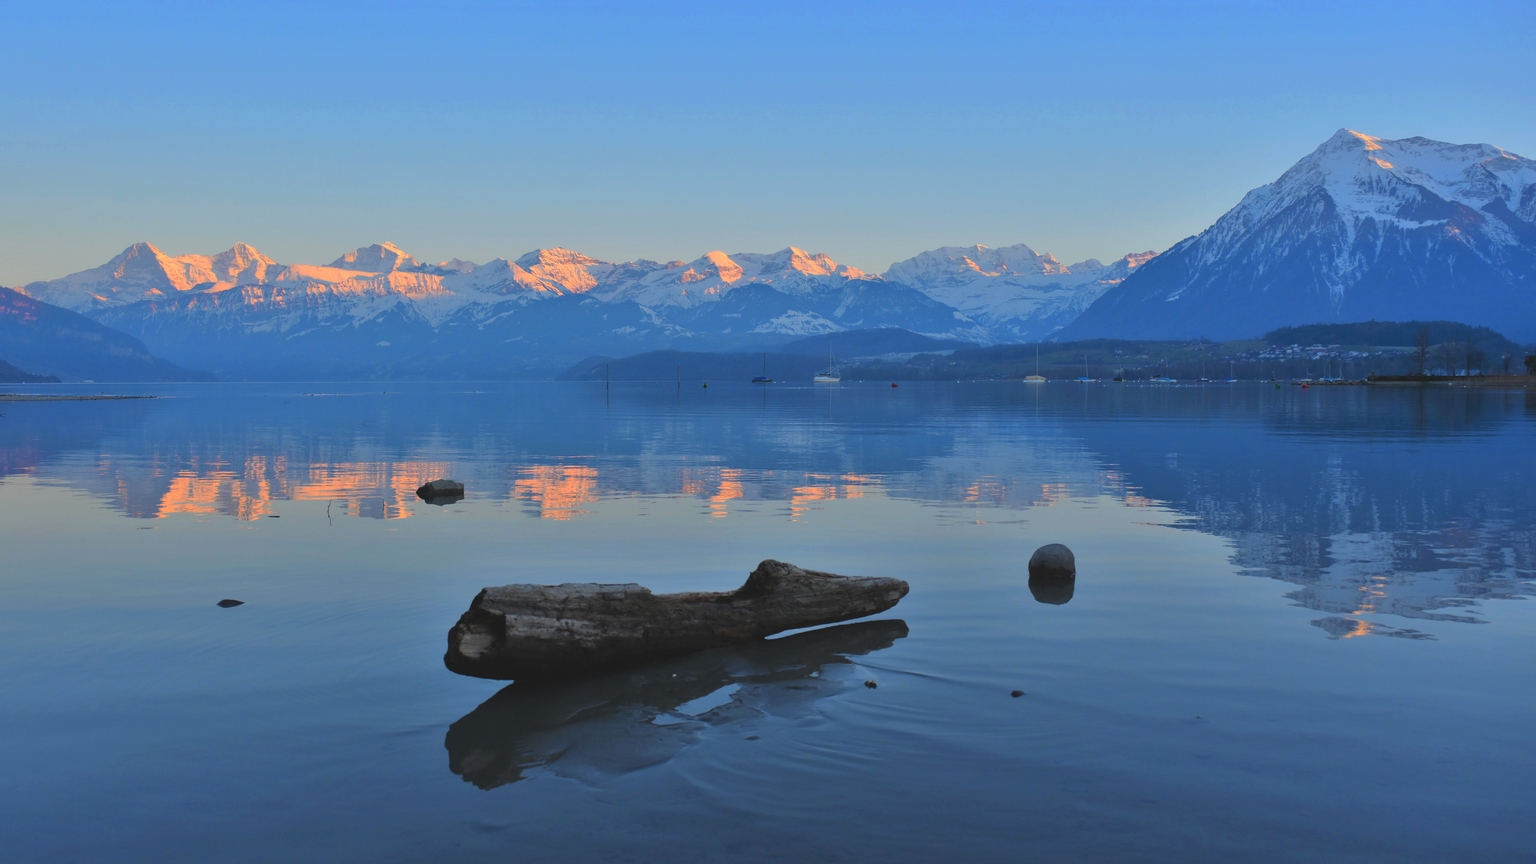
1455	381
38	397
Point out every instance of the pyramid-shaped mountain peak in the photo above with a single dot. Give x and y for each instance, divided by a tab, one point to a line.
378	258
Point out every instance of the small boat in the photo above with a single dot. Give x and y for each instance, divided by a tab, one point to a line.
763	378
831	375
1164	379
1202	380
1036	378
1229	380
1085	379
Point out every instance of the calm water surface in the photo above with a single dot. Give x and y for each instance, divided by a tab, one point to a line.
1301	629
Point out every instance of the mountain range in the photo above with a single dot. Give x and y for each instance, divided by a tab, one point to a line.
379	312
1362	228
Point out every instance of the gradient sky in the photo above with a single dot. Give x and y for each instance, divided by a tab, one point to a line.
869	131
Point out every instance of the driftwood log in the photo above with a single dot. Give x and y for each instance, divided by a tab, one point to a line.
532	632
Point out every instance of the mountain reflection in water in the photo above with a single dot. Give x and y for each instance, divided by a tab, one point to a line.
621	722
1410	503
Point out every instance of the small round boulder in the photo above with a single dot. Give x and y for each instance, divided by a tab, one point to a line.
1052	561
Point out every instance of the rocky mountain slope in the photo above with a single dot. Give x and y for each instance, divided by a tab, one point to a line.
1362	228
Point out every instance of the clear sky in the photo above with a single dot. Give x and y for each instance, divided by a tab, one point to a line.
869	131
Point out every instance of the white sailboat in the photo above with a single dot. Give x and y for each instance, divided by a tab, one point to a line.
831	375
1036	378
1085	379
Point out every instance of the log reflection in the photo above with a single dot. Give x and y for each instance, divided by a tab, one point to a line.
625	721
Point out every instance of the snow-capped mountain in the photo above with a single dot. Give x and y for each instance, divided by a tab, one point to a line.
1017	293
790	271
1361	228
380	257
142	272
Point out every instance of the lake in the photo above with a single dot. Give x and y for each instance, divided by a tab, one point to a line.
1301	628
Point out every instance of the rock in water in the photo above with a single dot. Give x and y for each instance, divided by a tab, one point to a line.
441	492
1052	561
528	632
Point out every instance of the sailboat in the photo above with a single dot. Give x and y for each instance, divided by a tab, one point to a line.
763	378
1036	378
831	375
1085	379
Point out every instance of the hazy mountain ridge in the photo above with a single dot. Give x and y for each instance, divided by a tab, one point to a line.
1361	228
46	340
9	374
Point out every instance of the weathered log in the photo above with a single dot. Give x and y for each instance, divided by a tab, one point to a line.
530	632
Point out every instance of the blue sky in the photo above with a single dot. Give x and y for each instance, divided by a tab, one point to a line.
869	131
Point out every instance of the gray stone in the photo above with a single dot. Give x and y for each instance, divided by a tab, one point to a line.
441	492
1052	561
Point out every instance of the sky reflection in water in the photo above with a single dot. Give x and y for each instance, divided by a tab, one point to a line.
1181	709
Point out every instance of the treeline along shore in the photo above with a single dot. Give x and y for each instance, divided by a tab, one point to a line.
1402	352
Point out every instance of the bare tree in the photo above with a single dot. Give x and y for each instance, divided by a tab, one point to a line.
1473	356
1506	358
1421	348
1446	355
